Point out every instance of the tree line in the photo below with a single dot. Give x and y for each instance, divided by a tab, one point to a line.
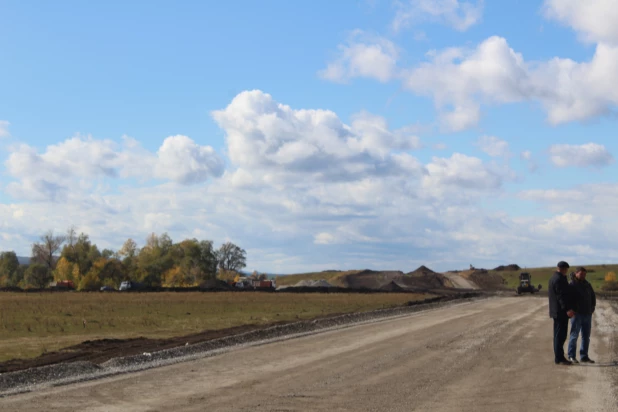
160	262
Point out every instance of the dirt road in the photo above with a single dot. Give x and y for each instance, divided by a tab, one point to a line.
489	355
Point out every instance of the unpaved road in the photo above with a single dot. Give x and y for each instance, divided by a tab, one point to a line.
459	281
489	355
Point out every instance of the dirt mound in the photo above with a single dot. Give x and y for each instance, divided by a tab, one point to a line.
421	269
371	279
486	280
511	267
313	284
392	287
424	280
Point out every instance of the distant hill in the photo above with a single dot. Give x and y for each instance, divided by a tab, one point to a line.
23	260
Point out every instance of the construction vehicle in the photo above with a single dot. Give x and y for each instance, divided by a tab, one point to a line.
525	284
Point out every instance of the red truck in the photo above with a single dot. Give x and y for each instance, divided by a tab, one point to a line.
62	285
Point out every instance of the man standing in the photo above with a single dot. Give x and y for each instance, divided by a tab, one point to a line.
585	302
560	309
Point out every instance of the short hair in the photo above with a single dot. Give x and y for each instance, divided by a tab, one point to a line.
581	269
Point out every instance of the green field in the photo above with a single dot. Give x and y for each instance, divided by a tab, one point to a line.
33	323
542	275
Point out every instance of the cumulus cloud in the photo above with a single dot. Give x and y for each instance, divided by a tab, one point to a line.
50	175
567	222
460	15
182	160
594	20
4	129
460	80
585	155
363	55
284	143
454	76
464	172
493	146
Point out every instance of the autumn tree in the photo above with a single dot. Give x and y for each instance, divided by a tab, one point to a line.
231	257
38	275
81	252
44	252
66	270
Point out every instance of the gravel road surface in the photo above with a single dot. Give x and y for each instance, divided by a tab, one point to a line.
488	355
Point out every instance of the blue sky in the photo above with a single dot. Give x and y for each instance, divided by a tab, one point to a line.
108	121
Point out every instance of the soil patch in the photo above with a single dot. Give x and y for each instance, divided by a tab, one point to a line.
99	351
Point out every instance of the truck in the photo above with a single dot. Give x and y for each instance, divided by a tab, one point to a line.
130	285
263	284
62	285
525	284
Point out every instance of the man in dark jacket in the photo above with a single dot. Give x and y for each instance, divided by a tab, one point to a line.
560	310
585	302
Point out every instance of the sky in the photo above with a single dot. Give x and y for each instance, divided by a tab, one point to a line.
380	134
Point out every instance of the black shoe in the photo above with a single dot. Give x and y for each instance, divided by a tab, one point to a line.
586	359
573	360
563	362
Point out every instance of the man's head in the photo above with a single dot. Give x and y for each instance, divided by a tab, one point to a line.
580	273
563	267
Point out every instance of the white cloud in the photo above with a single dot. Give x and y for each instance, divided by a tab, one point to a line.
567	222
4	129
81	160
458	14
282	143
363	55
466	173
461	80
493	146
585	155
182	160
453	77
594	20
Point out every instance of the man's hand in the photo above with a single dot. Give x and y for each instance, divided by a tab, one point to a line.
570	313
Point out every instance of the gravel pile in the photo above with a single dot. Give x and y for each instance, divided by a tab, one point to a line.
65	373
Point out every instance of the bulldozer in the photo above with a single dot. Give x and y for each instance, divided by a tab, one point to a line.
525	284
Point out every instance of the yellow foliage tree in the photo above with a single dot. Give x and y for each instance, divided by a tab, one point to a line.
65	270
90	282
610	277
174	278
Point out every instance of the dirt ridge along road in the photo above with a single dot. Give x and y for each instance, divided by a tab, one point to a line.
489	355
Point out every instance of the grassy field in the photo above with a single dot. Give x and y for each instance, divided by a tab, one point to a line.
542	275
33	323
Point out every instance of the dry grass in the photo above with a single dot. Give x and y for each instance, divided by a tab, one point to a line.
32	323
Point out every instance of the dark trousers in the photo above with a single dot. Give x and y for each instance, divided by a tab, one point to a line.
561	328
